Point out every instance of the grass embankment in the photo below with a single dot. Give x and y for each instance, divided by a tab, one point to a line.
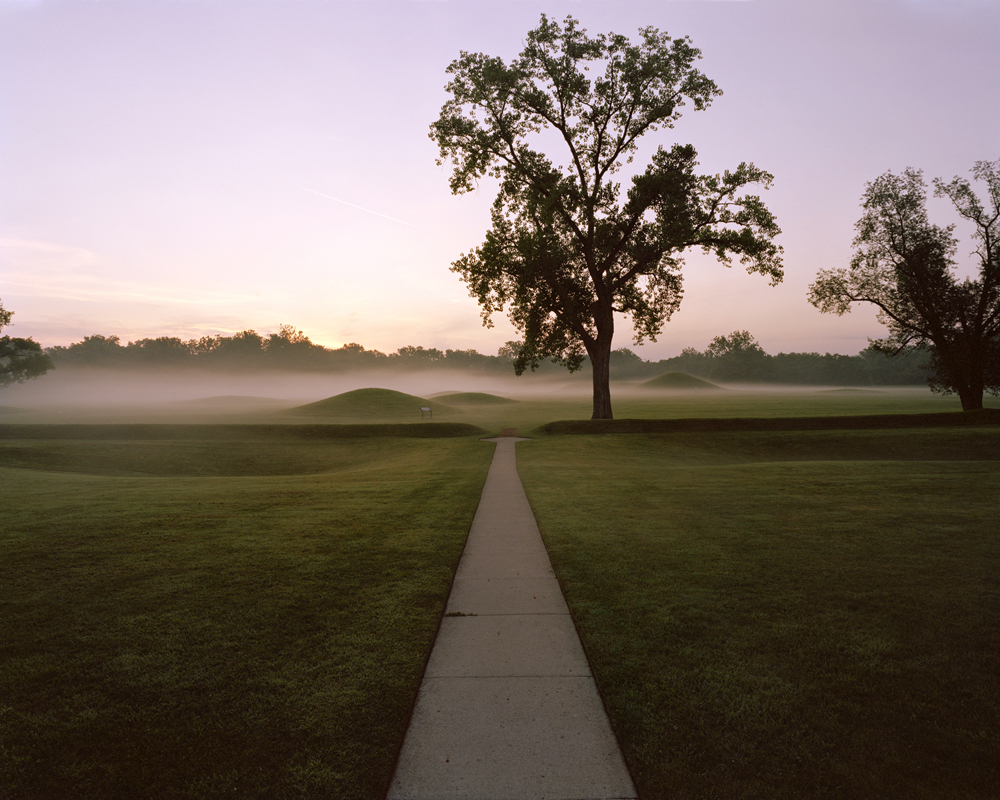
799	423
809	614
254	624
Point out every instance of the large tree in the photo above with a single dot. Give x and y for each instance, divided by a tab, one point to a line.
905	267
567	251
20	359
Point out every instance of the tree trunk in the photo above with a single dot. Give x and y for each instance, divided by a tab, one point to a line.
971	391
969	369
960	367
600	360
971	397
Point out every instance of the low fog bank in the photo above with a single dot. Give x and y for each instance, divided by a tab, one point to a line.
105	387
198	391
640	389
102	387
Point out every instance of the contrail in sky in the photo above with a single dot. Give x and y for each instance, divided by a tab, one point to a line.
362	208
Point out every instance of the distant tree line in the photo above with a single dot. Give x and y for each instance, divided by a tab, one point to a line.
738	358
734	358
287	349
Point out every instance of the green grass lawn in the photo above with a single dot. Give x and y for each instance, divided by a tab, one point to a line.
786	615
187	619
210	612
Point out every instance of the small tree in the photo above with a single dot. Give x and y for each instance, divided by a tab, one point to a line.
20	359
905	267
566	251
738	357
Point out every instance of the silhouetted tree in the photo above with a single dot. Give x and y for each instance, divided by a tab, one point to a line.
354	356
20	359
159	352
738	357
908	366
243	349
292	349
92	351
510	351
470	360
566	251
412	356
626	363
691	361
904	266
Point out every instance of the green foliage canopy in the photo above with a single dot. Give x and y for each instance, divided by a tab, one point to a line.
566	251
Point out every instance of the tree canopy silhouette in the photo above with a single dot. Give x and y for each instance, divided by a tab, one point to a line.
905	267
20	359
742	357
566	250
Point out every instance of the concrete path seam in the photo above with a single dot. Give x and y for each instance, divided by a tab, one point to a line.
508	708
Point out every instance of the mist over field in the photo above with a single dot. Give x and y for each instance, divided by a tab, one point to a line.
285	378
117	389
85	395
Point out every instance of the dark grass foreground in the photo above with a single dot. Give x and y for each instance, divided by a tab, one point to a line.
786	615
250	623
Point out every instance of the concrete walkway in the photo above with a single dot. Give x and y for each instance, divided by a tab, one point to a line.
508	709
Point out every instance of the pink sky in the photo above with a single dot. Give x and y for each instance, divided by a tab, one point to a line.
200	167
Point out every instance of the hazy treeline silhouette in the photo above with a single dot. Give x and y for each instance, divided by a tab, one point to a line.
738	358
733	358
288	349
868	368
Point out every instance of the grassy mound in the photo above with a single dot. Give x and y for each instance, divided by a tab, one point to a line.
678	380
474	398
370	404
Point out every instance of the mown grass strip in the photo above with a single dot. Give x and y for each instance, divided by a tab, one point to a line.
763	621
250	636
